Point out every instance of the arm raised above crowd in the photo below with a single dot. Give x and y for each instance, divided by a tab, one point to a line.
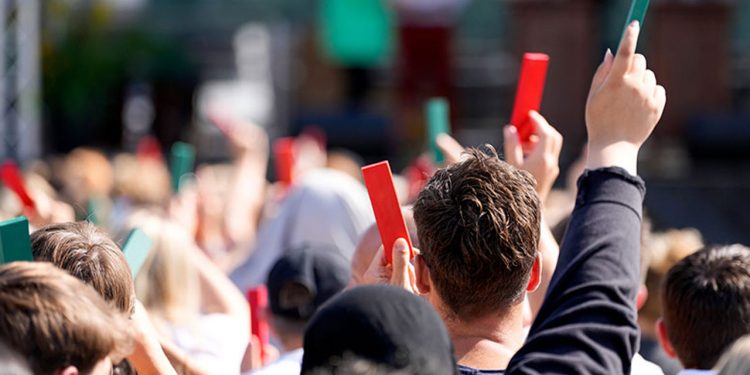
587	323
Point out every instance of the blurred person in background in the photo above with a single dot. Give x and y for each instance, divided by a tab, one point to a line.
425	45
705	306
326	208
193	305
664	249
299	283
87	178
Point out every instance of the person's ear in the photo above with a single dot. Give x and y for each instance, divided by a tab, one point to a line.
661	330
424	283
536	273
70	370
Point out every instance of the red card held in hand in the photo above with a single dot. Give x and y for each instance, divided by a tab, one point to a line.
13	179
388	215
529	92
283	152
258	299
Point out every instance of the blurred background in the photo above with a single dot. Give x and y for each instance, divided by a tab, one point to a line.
106	73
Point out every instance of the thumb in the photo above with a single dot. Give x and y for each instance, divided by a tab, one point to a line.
603	71
401	258
512	146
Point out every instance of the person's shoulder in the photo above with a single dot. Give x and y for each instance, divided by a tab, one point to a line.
464	370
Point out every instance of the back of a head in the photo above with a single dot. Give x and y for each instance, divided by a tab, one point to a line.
168	282
300	282
383	325
53	320
706	303
478	223
87	253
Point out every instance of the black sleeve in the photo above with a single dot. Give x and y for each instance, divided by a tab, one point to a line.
587	323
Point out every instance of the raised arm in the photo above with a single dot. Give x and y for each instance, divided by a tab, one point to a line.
587	323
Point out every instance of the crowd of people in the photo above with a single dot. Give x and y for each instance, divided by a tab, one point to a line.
510	275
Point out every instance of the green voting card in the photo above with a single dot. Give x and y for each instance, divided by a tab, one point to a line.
136	249
15	244
436	112
181	163
637	13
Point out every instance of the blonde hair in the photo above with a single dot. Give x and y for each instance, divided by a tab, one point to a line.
145	181
167	283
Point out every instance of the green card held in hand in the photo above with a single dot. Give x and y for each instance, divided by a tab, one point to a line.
136	249
436	112
15	244
637	13
181	163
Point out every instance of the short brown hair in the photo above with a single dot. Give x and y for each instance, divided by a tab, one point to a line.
478	222
54	320
89	254
706	303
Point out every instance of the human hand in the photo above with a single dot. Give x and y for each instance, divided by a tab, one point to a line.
624	105
542	161
400	273
451	149
244	137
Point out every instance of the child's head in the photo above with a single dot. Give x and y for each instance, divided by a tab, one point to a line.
706	305
89	254
57	323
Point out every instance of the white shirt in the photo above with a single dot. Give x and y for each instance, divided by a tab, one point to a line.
697	372
640	366
214	342
289	363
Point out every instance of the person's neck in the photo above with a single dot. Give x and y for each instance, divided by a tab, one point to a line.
290	343
489	342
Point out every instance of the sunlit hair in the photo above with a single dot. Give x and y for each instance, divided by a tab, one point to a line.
87	253
167	283
53	320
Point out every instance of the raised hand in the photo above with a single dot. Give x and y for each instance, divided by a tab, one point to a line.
624	105
542	160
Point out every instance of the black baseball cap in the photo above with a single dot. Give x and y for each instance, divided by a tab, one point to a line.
304	279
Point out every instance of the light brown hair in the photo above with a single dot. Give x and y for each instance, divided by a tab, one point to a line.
54	320
87	253
478	222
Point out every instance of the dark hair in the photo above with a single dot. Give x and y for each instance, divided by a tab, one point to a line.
89	254
54	320
706	303
478	222
384	325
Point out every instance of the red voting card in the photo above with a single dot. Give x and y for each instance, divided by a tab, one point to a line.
12	178
529	92
388	216
258	299
283	150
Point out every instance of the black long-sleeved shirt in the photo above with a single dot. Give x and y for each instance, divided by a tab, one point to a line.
587	323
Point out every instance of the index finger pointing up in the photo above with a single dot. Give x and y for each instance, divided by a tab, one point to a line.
626	52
